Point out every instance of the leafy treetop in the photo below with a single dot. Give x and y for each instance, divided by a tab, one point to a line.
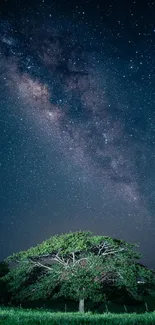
79	265
77	242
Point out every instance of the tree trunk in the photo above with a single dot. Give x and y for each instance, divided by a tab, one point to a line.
81	305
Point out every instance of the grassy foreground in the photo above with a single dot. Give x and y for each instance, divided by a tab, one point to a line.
14	316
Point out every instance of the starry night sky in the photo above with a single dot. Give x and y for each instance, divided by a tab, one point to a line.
77	125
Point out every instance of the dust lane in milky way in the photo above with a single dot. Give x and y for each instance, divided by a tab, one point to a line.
75	95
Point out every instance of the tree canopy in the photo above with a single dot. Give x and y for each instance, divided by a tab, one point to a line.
77	265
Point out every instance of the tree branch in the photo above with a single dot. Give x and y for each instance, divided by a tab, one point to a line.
41	265
112	252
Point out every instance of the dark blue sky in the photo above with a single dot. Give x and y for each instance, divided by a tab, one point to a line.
77	121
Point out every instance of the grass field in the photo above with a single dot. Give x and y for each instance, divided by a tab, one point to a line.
15	316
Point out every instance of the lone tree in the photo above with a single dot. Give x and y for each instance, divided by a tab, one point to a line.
76	265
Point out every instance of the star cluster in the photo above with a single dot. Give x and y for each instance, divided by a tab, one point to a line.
83	87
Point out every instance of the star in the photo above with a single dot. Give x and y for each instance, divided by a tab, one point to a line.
77	114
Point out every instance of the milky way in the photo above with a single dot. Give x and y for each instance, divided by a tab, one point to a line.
71	94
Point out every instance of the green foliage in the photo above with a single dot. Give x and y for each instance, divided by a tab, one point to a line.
4	295
77	241
83	282
43	288
30	317
18	276
76	265
4	269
